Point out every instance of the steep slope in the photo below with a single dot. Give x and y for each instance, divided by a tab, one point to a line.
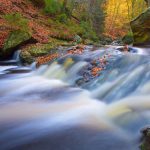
24	26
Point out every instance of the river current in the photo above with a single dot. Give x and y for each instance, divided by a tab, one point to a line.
60	106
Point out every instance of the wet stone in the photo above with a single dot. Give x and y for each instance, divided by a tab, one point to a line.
18	70
146	139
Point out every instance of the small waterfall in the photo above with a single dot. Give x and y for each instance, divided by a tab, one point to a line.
33	66
16	56
15	61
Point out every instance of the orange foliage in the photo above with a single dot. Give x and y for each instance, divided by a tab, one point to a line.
39	32
76	50
3	37
45	59
4	31
95	71
17	6
39	27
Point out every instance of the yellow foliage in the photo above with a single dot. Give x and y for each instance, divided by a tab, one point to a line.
119	14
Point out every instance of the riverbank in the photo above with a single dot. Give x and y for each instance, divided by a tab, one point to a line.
25	27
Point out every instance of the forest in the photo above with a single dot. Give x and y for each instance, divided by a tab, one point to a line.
74	74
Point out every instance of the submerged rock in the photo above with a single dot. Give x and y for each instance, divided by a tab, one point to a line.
141	28
127	49
146	139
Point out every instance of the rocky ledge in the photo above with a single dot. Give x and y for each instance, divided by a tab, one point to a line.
141	28
25	27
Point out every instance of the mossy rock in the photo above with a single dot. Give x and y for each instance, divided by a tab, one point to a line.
26	57
14	41
146	139
29	54
141	28
77	39
43	49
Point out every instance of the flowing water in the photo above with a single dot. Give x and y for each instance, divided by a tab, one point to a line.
60	106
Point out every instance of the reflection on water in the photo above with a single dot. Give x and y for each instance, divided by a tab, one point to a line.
45	109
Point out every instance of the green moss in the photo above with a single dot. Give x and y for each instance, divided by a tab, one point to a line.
28	55
62	18
88	32
142	147
14	41
52	6
44	49
77	39
128	39
15	38
88	42
17	20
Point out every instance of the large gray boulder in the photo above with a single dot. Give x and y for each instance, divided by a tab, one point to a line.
141	28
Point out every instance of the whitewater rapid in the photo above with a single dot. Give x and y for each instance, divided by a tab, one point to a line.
44	108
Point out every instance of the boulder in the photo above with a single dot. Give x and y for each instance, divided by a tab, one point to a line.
26	57
31	52
146	139
13	42
77	39
141	28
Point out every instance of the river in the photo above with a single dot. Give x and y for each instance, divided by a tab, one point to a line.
60	106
